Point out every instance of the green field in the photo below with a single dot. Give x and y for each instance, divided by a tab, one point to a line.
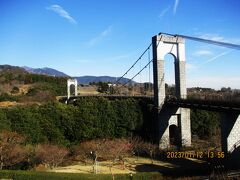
31	175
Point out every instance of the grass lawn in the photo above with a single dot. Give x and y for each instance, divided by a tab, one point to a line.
31	175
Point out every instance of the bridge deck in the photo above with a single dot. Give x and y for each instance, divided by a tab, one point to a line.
210	105
206	104
64	98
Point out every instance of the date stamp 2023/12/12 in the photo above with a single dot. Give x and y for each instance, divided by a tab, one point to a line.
195	154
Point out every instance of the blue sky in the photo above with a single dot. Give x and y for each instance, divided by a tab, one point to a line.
105	37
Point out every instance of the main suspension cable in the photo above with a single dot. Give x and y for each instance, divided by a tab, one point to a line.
218	43
137	73
118	81
144	66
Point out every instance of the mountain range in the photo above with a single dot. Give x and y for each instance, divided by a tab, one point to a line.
80	79
89	79
46	71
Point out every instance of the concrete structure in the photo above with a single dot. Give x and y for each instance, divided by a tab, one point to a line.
174	120
230	131
230	140
178	117
69	83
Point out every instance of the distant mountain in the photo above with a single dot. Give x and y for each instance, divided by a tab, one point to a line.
46	71
14	69
88	79
54	72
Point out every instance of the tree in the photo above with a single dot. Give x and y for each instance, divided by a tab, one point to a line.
117	149
107	149
11	149
51	124
50	155
4	121
25	120
103	87
149	148
137	145
15	90
32	91
90	150
30	152
224	89
205	124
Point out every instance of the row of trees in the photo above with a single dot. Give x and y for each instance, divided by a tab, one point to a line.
66	124
15	153
93	118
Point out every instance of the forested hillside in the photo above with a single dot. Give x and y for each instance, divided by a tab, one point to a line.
21	86
92	118
63	124
38	128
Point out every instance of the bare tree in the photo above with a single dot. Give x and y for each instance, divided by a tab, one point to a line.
50	155
108	149
90	150
11	149
150	149
117	150
137	145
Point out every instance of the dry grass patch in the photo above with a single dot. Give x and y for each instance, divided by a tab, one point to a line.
8	103
89	90
104	167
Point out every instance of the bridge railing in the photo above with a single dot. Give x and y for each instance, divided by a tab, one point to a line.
219	102
222	106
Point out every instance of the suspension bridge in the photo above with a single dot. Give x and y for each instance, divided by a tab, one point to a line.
176	111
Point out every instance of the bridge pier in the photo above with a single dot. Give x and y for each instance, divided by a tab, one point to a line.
230	137
185	127
230	125
178	118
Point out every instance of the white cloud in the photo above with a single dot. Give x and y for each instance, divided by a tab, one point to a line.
98	38
164	11
216	57
106	31
175	6
190	66
61	12
203	53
